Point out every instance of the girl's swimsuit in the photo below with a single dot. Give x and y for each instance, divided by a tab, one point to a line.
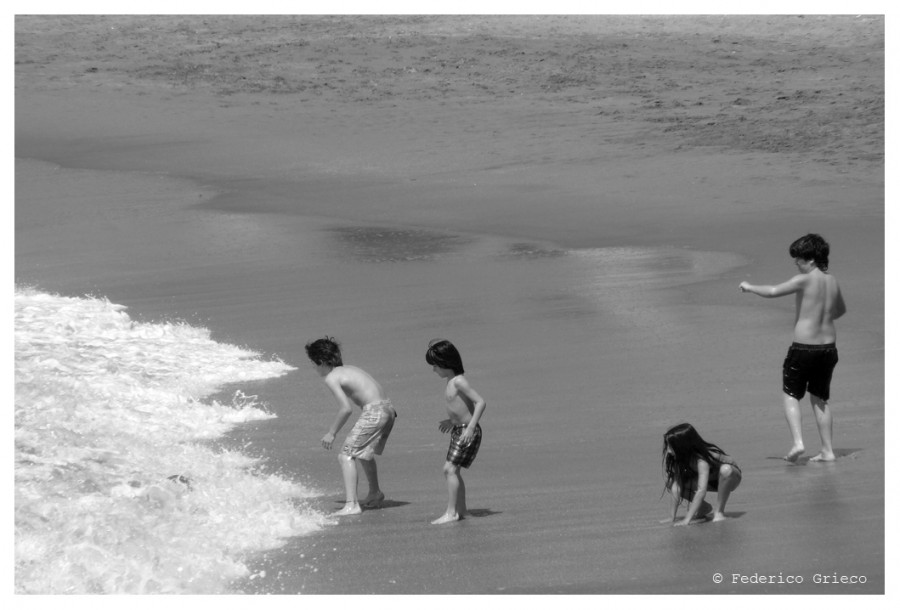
713	483
690	486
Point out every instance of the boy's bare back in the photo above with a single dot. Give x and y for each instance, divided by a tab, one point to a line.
819	303
356	384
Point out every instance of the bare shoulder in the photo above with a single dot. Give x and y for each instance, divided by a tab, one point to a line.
353	376
826	280
460	383
801	279
465	391
361	384
353	371
344	376
338	373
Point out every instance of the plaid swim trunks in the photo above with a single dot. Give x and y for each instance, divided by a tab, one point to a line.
463	455
371	430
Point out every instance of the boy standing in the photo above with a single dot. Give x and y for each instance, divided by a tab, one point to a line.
465	407
351	385
812	357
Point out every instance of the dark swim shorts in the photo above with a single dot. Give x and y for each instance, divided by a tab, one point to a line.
463	455
809	367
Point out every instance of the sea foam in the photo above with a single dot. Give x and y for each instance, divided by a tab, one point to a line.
114	492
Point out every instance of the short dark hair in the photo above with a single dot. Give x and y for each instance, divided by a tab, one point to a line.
325	351
444	354
811	247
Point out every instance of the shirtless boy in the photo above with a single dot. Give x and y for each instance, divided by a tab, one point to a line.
811	358
465	408
353	386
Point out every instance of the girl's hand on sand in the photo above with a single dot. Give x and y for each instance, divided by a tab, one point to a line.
744	286
327	440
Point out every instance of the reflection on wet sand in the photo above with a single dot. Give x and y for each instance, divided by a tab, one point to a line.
378	244
530	251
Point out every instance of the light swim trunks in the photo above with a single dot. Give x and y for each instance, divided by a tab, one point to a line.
371	431
463	455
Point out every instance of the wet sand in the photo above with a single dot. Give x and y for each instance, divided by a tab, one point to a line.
580	240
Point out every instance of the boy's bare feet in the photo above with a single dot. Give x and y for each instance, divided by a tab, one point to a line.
373	500
823	457
794	453
445	518
719	517
349	509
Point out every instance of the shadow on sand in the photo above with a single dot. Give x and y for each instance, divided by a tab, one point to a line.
706	518
379	506
386	504
483	512
803	460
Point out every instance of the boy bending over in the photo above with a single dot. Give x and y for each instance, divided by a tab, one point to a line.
353	386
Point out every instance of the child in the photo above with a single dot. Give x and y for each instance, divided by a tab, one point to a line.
692	466
351	385
813	355
465	432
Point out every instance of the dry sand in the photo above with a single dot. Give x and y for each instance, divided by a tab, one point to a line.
278	178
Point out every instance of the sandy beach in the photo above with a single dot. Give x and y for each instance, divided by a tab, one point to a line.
573	201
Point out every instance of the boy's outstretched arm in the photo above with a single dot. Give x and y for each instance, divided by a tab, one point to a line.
795	284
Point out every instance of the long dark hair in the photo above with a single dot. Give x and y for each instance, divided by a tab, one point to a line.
686	445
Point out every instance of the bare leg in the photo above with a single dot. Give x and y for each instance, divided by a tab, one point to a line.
451	473
794	419
824	423
461	509
729	479
376	496
351	480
